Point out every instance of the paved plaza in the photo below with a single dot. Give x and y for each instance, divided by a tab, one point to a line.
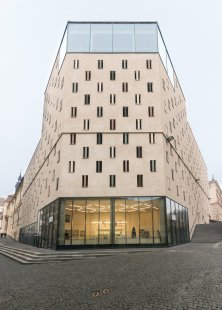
182	277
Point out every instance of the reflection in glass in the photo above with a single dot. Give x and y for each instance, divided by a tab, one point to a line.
123	38
146	220
68	222
78	222
104	222
120	221
92	221
169	221
132	220
101	38
146	38
78	38
159	227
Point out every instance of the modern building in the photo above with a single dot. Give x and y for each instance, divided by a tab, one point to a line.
215	214
117	162
1	213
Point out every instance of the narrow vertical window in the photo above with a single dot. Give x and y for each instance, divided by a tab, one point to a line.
112	99
167	157
137	75
139	124
74	87
125	112
85	154
112	75
137	98
72	138
112	124
99	138
58	156
125	138
100	87
87	75
151	111
112	180
99	111
71	166
75	64
139	152
99	166
73	111
178	191
151	137
150	87
126	166
172	174
57	184
87	99
86	124
84	180
124	64
139	180
125	87
153	165
112	151
100	64
149	64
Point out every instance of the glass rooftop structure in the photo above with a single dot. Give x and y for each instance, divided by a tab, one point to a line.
115	37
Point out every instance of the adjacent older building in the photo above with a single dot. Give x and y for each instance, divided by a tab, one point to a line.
215	211
117	162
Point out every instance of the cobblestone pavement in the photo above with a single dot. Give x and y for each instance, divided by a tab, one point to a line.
183	277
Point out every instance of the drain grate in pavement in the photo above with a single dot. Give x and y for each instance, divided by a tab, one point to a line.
101	292
4	299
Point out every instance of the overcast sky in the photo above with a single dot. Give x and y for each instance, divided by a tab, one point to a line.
30	34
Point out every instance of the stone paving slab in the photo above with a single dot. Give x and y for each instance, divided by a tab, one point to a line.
183	277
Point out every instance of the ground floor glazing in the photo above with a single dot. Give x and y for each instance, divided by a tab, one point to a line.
116	221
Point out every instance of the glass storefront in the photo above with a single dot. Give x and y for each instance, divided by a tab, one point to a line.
113	221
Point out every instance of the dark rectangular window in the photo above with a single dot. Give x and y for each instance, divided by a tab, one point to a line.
84	180
151	111
150	87
74	87
100	87
112	180
71	166
125	87
126	166
112	99
153	165
99	138
137	75
139	180
100	64
85	154
149	64
112	124
88	75
75	64
72	138
152	137
112	151
87	99
137	98
125	138
124	64
139	124
112	75
73	111
139	152
99	111
86	124
125	112
99	166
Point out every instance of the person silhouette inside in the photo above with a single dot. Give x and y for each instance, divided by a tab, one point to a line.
133	232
